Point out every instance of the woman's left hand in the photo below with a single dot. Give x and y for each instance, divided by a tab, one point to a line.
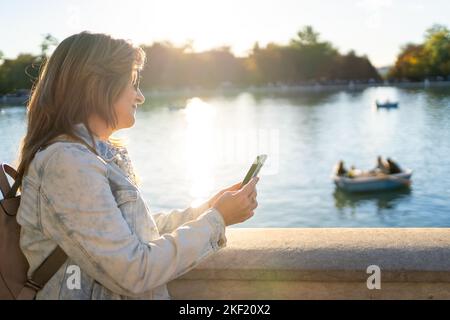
235	187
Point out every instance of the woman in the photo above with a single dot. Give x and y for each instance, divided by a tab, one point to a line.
79	190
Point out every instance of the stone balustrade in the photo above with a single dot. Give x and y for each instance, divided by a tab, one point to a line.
323	263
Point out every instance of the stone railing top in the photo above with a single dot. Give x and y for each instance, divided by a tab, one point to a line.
330	254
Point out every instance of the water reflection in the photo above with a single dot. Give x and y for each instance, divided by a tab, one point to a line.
187	154
381	200
310	99
12	111
199	148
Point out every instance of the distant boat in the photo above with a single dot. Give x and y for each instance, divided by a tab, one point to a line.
368	183
387	105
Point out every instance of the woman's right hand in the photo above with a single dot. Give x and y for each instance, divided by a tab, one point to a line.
238	206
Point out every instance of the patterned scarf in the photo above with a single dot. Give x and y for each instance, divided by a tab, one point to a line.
123	161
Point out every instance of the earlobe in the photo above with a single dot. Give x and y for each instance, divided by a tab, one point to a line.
140	97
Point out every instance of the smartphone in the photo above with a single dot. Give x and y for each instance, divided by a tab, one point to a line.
254	169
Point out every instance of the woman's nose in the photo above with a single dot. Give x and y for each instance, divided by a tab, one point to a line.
140	99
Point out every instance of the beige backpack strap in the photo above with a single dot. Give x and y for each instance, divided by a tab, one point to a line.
43	274
27	293
49	267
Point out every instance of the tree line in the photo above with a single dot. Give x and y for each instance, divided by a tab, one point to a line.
305	60
427	60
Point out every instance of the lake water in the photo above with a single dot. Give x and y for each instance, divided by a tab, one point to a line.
183	156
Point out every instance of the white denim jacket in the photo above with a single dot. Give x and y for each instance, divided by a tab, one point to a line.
91	207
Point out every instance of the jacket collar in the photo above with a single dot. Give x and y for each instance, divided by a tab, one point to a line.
105	149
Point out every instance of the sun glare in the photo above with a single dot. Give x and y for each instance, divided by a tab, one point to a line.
199	148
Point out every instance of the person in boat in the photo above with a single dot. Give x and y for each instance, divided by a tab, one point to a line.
393	167
340	169
353	172
382	166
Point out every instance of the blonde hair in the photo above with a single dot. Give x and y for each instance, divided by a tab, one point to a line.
85	75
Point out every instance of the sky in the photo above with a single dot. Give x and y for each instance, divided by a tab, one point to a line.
377	28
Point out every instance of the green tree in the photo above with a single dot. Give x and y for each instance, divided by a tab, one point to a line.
48	42
306	59
314	58
437	50
306	37
18	73
429	59
411	64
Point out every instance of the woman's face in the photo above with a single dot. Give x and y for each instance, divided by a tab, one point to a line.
125	107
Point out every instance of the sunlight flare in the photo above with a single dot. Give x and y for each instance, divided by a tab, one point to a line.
200	148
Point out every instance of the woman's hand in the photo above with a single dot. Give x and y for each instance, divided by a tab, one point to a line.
213	200
236	205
